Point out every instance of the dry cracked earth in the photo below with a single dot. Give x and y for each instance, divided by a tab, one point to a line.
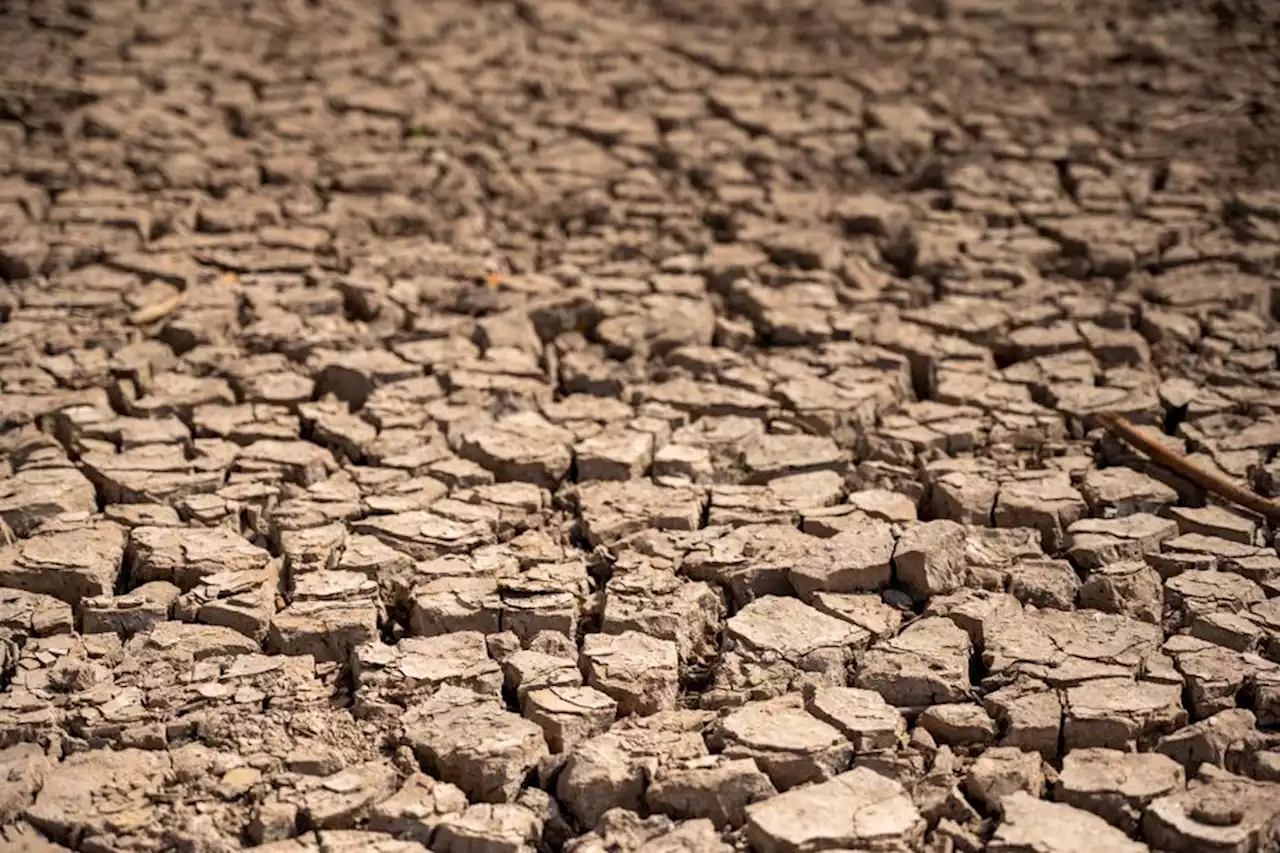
650	427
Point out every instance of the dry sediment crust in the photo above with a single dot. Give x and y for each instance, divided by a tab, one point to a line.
545	425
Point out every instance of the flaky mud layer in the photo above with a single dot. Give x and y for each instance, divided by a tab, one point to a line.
637	427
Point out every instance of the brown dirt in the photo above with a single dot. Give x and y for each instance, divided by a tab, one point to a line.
637	426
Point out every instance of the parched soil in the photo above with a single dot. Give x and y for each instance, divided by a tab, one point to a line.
637	427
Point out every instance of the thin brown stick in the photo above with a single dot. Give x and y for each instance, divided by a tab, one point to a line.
1188	470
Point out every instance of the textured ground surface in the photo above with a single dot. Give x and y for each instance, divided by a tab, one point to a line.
636	428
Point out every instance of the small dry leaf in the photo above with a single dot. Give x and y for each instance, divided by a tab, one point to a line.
148	314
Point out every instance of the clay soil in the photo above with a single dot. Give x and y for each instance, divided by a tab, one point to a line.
638	427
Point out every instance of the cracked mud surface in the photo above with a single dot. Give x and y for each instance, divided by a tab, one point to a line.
637	428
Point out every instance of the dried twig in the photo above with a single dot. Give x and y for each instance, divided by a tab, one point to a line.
1188	470
150	313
